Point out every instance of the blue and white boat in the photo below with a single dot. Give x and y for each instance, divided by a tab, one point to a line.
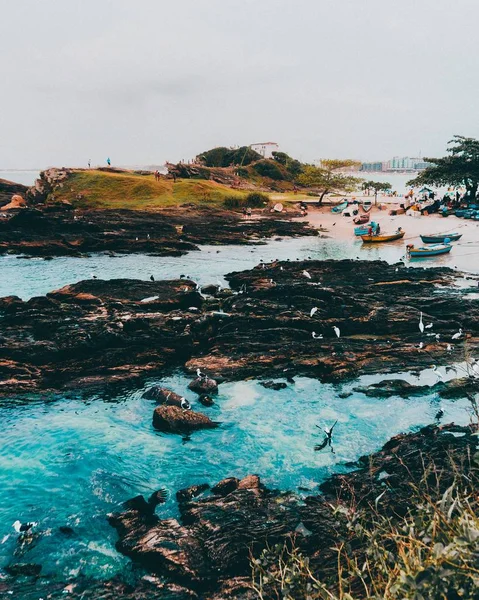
340	207
427	251
439	238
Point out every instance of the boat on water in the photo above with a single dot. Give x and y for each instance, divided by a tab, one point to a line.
367	205
361	219
383	237
340	207
364	229
426	251
439	238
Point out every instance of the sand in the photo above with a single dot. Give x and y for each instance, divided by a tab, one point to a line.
464	255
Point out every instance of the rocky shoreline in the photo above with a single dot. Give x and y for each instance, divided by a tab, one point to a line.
277	320
207	552
64	231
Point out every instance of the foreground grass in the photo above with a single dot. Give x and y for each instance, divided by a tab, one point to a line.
432	554
101	189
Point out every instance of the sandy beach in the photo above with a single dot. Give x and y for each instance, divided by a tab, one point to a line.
465	253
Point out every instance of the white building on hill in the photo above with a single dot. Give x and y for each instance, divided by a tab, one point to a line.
266	149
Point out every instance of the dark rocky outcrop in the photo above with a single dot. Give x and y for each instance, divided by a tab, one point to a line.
58	230
101	332
172	419
203	385
208	549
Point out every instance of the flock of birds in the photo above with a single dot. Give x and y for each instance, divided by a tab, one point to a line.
471	370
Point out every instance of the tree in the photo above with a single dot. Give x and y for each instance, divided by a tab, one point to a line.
329	177
225	157
377	186
291	164
460	168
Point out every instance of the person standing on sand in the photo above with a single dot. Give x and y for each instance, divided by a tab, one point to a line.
108	161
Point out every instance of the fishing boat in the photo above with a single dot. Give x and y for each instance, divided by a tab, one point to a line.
361	219
438	238
426	251
367	205
382	237
363	230
340	207
350	212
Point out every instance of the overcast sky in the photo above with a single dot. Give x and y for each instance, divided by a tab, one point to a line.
144	81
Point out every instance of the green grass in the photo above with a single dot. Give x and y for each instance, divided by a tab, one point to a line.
100	189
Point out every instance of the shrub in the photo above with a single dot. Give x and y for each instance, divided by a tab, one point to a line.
431	554
225	157
253	200
268	168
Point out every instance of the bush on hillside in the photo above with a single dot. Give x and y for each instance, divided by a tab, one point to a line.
268	168
292	165
226	157
253	200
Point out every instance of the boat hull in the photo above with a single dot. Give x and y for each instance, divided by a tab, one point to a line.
428	252
378	239
340	207
439	239
361	219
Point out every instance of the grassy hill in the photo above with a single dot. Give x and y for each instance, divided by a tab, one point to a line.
104	189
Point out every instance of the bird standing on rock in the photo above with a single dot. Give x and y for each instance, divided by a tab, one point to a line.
337	331
421	324
152	278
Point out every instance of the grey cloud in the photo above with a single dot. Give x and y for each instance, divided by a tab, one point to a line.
155	80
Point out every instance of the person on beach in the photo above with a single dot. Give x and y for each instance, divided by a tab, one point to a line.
378	229
108	161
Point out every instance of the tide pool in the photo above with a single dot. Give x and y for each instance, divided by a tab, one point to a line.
69	461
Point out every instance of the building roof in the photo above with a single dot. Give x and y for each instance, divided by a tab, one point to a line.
266	144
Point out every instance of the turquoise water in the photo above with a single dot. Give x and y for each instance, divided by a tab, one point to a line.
34	277
69	461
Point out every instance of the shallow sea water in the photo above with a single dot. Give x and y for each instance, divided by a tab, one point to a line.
70	460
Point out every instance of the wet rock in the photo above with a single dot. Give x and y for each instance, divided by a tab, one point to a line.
203	385
209	549
206	400
71	340
210	290
225	486
274	385
191	492
57	230
171	419
459	388
393	387
165	396
25	569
